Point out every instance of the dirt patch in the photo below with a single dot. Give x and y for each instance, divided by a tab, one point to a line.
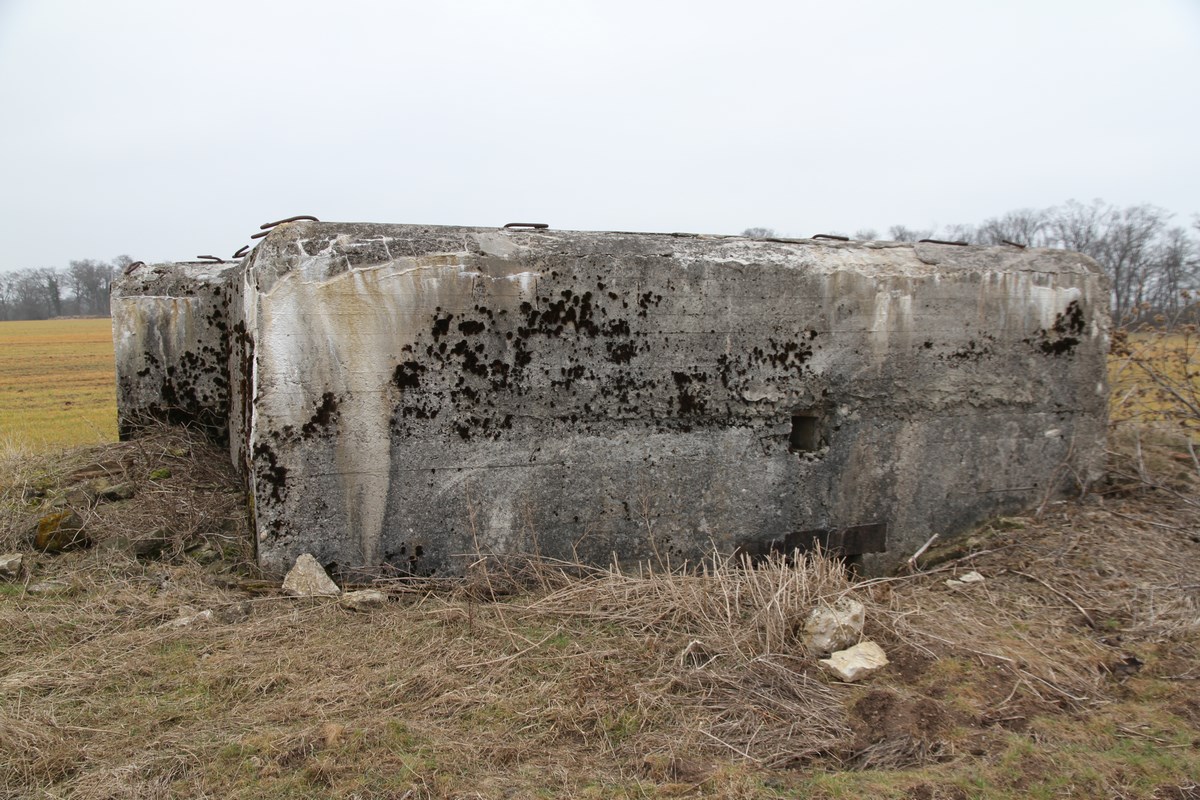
893	731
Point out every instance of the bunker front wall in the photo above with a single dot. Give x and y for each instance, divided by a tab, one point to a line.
171	343
416	396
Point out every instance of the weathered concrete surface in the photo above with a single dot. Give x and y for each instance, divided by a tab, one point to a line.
171	339
415	395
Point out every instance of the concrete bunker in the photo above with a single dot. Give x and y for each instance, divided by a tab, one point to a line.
171	340
414	396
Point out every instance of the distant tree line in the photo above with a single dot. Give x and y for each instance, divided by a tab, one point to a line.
1154	266
79	290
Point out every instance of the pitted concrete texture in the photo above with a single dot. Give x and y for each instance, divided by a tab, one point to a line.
171	340
416	396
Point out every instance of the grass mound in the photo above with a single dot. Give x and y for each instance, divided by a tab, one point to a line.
1070	670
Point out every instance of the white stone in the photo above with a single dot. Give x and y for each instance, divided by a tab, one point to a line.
964	579
856	662
834	627
186	620
309	579
10	566
49	588
363	600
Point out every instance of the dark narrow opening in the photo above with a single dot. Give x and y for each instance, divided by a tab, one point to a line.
805	436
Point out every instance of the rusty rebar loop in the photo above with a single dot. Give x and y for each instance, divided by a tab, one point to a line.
211	258
297	218
1013	244
538	226
943	241
131	267
241	251
832	236
259	235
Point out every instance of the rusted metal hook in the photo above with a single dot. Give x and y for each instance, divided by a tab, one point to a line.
1013	244
941	241
259	235
297	218
241	251
211	258
130	268
832	236
538	226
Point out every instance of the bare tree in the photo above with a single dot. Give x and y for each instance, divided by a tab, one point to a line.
962	232
1127	250
902	233
1026	226
89	281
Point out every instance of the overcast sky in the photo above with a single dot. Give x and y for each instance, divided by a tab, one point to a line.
167	129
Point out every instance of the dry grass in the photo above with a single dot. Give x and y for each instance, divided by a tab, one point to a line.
57	384
1070	671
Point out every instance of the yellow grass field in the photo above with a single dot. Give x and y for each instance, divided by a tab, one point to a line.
57	383
1155	378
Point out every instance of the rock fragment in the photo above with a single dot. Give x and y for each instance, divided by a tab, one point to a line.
113	492
10	566
856	662
49	588
187	619
62	530
309	579
834	627
363	600
965	579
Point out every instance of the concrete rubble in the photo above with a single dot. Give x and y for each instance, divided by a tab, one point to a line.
189	617
834	627
11	565
414	396
856	662
307	578
965	579
363	600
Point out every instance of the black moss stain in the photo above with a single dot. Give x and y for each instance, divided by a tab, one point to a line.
973	351
779	361
691	397
441	325
408	375
323	418
621	352
573	353
270	474
472	327
1063	336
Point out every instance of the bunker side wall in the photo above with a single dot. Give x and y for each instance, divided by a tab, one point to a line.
171	343
416	396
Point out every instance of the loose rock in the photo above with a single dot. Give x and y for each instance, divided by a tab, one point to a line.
60	531
144	547
48	588
965	578
112	493
186	620
856	662
309	579
834	627
10	566
363	600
